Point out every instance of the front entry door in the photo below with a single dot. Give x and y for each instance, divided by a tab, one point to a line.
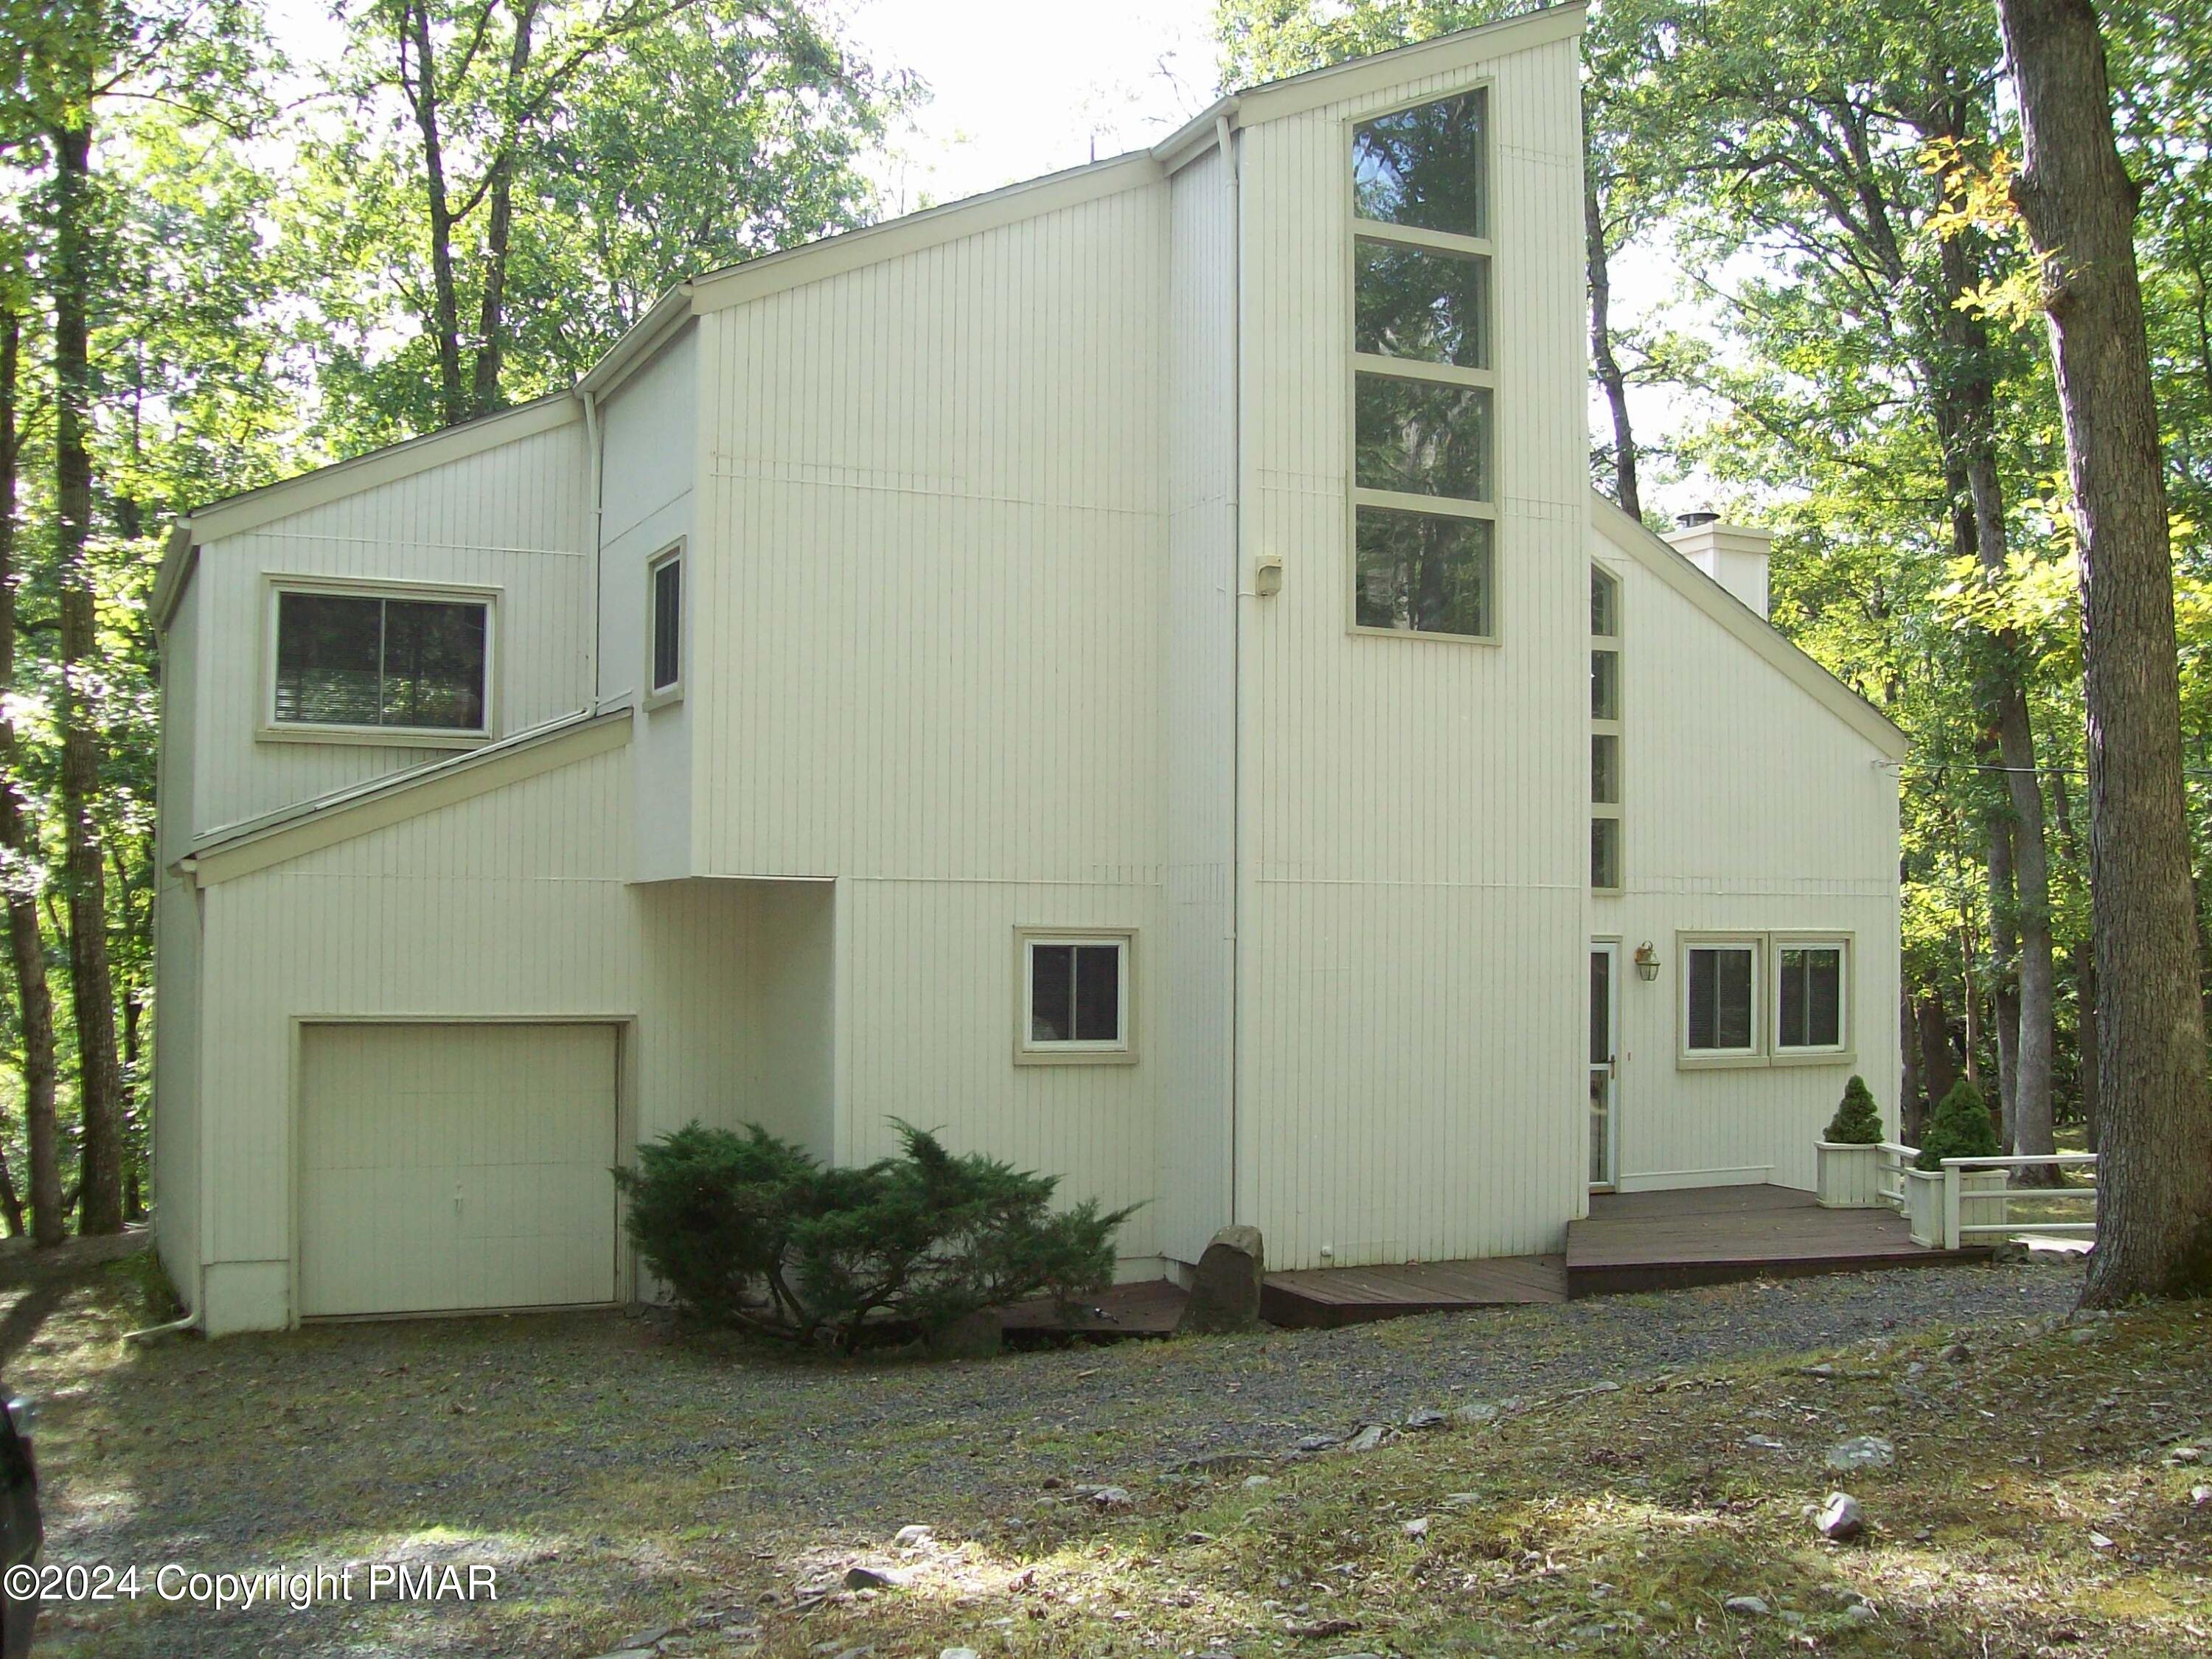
1604	1062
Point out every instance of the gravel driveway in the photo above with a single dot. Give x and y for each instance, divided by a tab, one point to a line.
611	1474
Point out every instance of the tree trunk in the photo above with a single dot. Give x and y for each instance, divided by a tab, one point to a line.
2083	966
99	1089
1961	375
1609	374
1939	1071
2004	973
26	943
491	321
2154	1148
1908	1071
421	87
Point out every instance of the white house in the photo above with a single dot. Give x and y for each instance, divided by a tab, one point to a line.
1127	668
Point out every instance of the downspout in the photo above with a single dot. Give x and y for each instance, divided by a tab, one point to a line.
1230	186
594	441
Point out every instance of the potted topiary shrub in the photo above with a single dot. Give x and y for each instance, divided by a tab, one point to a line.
1849	1155
1960	1127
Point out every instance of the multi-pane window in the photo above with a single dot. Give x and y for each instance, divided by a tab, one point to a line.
1075	995
380	662
664	644
1720	994
1424	391
1605	730
1809	994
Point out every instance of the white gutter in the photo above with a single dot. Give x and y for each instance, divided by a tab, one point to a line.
1232	190
595	443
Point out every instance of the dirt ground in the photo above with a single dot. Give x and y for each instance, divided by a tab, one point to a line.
616	1480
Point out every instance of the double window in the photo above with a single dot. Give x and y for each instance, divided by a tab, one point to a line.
1424	391
402	662
1778	998
1605	731
1074	1002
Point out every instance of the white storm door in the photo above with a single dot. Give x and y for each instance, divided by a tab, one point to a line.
1604	1063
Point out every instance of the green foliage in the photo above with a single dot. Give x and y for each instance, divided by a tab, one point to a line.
750	1231
1960	1127
1858	1122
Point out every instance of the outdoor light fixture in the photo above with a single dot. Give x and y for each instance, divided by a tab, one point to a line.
1647	962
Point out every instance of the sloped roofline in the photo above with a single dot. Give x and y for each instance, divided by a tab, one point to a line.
829	256
240	849
1761	636
235	515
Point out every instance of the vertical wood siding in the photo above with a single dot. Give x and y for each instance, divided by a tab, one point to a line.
934	537
176	1116
933	522
510	518
512	904
1414	896
651	467
1745	805
928	1036
1198	713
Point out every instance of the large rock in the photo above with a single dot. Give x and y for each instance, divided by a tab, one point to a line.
1225	1295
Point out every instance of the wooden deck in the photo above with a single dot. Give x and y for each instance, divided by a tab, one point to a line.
1716	1234
1631	1241
1352	1296
1148	1308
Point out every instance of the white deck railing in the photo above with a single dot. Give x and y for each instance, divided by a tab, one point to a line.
1896	1160
1956	1200
1967	1210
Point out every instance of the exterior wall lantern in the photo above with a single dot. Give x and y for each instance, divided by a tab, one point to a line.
1647	963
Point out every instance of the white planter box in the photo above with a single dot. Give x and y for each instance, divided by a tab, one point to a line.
1850	1176
1980	1204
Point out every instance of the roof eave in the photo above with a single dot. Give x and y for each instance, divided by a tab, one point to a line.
636	346
1747	625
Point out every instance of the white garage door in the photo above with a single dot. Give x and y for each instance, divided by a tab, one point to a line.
455	1166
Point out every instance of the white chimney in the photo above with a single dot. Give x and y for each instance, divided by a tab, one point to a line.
1733	554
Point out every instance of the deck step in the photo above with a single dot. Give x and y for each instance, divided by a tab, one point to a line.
1631	1242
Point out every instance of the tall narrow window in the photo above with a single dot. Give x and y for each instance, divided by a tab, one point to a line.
1424	391
375	662
1719	994
665	647
1605	731
1809	991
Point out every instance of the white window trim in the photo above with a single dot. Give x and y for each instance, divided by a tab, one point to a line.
1688	1058
661	697
1839	1053
269	729
1029	1053
1358	363
1612	643
1766	997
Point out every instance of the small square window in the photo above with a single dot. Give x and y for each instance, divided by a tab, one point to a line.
1718	999
1422	573
1075	996
1808	988
664	625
